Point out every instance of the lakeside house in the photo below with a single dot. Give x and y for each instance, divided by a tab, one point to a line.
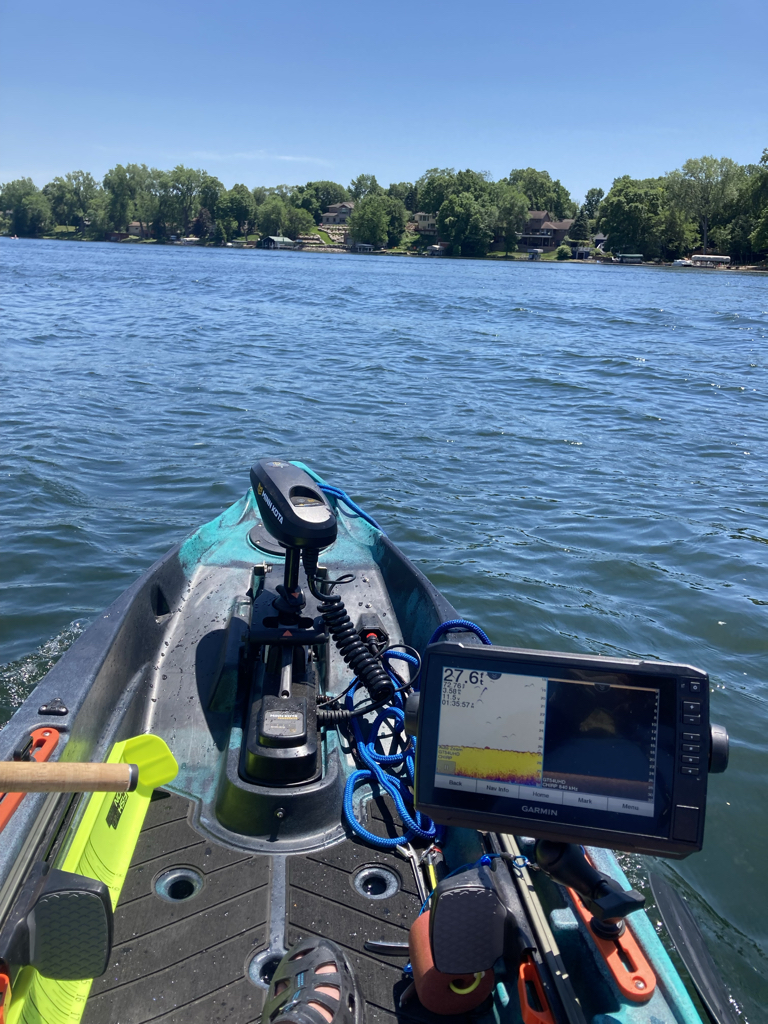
426	223
543	232
338	213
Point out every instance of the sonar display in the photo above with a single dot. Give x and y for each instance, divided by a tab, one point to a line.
479	741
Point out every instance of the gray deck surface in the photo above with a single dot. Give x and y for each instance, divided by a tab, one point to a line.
185	963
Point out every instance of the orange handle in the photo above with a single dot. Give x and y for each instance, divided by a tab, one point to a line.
527	977
5	995
629	968
43	745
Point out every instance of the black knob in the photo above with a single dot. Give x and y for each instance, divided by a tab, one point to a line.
718	749
411	714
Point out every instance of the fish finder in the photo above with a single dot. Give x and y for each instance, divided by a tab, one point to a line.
579	749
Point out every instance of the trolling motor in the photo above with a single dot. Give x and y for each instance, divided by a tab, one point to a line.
281	742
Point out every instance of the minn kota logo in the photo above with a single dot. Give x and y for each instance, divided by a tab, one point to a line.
270	504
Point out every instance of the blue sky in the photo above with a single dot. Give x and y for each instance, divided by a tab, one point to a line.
287	92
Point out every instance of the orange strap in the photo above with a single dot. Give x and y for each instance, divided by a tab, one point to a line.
43	745
5	995
528	975
626	962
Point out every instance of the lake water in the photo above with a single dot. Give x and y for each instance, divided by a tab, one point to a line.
575	455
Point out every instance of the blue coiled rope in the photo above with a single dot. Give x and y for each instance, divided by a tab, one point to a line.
417	825
339	495
460	626
398	787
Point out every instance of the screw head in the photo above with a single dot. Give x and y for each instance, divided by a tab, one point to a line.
280	812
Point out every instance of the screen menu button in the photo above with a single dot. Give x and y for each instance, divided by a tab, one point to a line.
505	789
541	796
620	806
456	782
589	800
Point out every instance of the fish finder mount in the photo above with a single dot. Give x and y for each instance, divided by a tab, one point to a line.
609	904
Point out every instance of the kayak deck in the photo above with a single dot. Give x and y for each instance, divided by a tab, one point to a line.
188	962
164	660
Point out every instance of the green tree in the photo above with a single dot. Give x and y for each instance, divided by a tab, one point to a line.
703	189
317	196
210	192
71	198
184	184
37	211
434	187
397	218
13	196
118	191
328	193
369	221
563	252
466	224
758	201
512	206
161	207
305	198
242	208
123	185
272	216
477	183
298	221
631	216
677	234
592	202
203	225
579	230
364	185
406	192
222	230
543	193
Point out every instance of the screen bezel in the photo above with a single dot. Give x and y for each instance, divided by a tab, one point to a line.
595	828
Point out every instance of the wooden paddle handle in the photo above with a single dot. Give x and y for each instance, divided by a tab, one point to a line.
67	777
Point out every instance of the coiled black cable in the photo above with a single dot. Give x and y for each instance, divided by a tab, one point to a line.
368	668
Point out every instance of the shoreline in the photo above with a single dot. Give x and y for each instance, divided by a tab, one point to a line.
333	250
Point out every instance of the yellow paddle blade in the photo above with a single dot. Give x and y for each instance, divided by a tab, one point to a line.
101	848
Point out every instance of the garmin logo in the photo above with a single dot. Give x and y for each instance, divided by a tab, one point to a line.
270	504
539	810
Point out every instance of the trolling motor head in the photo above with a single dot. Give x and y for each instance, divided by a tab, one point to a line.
294	509
298	515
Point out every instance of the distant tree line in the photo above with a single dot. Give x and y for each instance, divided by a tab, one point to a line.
717	204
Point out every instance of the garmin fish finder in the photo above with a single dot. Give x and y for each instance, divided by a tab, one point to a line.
579	749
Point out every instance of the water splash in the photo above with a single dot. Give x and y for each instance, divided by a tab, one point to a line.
19	678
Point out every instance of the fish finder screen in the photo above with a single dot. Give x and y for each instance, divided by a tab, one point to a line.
574	743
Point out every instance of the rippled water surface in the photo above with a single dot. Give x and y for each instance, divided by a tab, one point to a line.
575	455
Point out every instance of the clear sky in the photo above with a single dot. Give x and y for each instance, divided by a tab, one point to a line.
270	93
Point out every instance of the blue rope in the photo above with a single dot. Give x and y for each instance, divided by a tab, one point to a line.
417	825
339	495
459	625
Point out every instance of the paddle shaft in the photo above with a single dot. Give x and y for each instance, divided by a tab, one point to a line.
63	777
